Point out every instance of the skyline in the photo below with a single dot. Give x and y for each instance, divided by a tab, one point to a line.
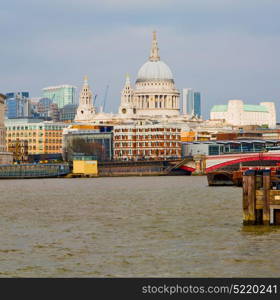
221	49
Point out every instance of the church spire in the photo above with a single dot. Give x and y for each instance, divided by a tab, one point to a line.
127	80
155	50
85	80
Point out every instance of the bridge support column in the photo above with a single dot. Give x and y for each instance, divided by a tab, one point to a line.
200	164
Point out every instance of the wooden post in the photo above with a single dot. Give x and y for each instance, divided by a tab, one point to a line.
249	197
252	197
266	187
245	199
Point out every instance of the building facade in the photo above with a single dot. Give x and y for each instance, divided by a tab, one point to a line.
2	125
5	157
67	113
191	102
155	93
19	149
42	137
227	147
61	94
18	105
147	141
238	114
47	110
88	140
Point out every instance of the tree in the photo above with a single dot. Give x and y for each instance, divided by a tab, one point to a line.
78	145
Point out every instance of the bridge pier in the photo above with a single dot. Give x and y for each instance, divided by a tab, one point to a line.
261	198
200	164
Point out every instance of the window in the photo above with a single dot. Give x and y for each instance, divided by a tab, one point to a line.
213	150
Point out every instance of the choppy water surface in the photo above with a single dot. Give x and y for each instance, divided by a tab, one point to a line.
130	227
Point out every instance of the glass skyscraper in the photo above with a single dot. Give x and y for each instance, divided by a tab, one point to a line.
191	102
61	94
17	105
197	104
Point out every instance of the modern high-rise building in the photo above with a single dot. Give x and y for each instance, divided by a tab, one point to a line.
18	105
17	94
61	94
191	102
197	104
67	113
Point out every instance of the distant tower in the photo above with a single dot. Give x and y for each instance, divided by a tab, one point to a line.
126	107
191	102
154	50
86	110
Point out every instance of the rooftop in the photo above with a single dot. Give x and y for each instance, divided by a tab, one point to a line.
246	107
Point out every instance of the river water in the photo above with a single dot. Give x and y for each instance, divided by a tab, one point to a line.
130	227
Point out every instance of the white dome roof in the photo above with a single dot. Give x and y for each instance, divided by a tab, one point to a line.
155	70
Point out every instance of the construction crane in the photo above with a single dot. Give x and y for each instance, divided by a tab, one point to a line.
95	96
105	97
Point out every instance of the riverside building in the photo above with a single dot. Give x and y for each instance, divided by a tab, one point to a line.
2	126
88	140
41	137
239	114
147	141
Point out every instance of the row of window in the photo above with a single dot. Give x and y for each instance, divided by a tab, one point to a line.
147	137
157	152
55	134
147	144
147	129
36	127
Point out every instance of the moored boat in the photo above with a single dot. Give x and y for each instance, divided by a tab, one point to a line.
33	171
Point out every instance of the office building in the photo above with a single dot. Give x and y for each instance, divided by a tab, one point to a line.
18	105
191	102
61	94
48	110
17	94
67	113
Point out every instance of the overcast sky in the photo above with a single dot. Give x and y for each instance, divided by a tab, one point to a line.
226	49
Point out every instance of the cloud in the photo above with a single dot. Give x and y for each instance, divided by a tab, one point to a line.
225	49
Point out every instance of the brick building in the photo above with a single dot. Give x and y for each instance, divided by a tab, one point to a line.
148	141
